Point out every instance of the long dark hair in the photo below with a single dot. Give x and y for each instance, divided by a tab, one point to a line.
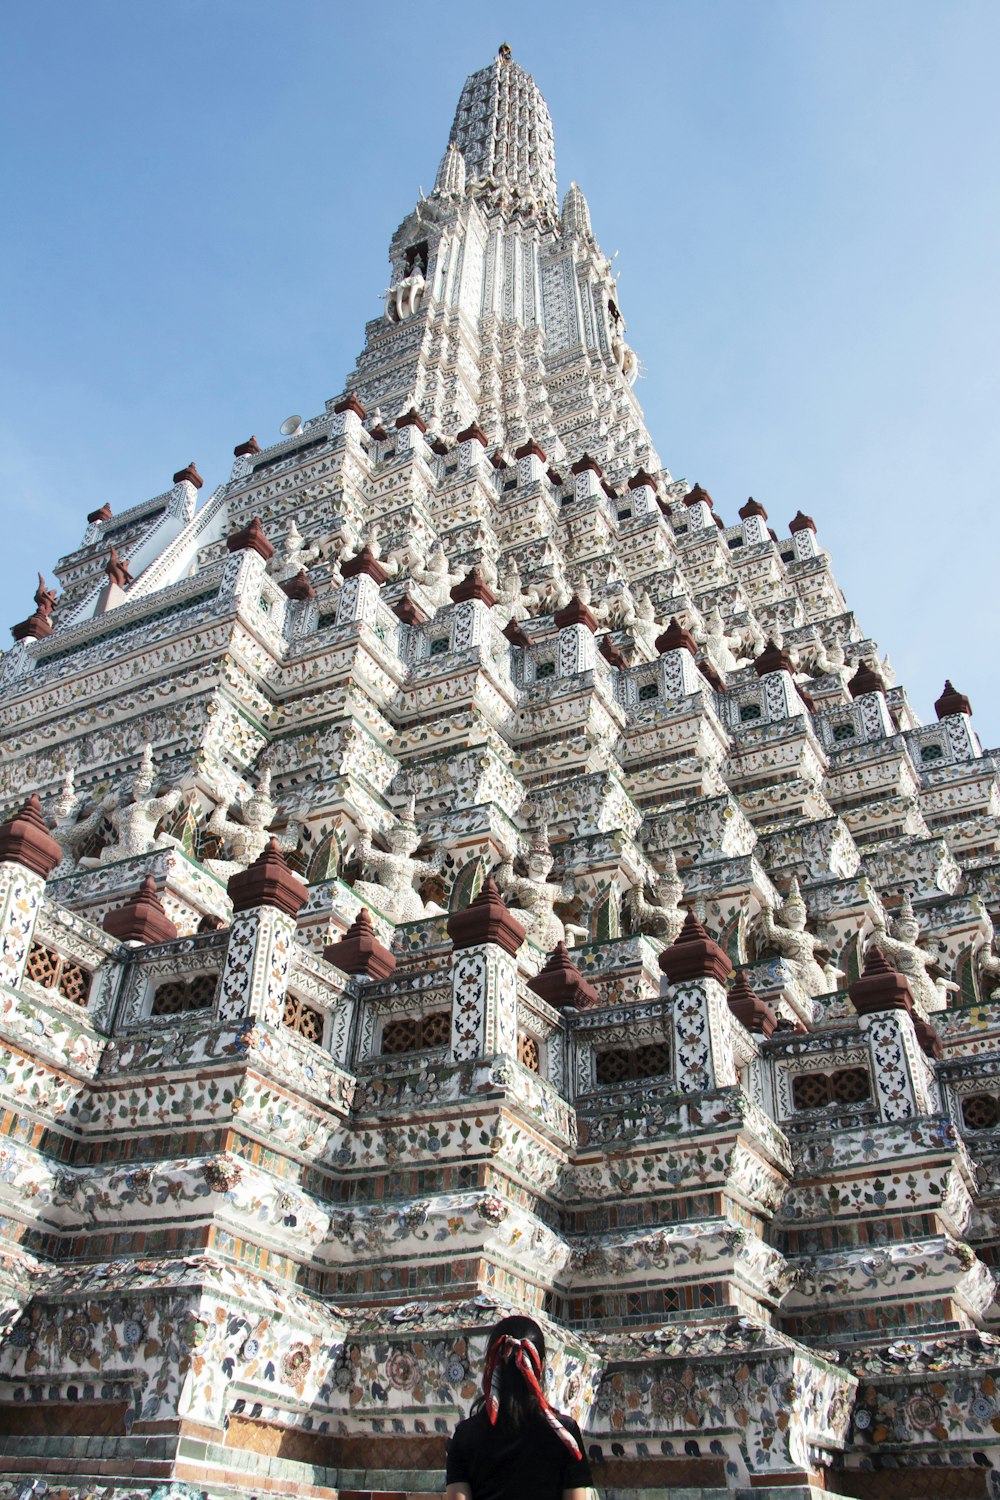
518	1404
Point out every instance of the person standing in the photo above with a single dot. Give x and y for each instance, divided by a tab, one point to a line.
513	1446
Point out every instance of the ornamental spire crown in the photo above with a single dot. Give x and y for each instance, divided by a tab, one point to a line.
451	173
503	130
576	213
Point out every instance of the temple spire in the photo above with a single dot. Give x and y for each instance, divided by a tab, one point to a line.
576	214
503	129
451	173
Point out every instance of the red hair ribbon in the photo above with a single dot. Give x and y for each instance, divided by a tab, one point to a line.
526	1358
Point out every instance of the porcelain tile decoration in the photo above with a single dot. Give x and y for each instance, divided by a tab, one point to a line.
451	868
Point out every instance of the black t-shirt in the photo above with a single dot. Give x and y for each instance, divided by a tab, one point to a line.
532	1464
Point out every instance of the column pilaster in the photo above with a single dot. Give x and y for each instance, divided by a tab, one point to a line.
485	939
28	855
266	898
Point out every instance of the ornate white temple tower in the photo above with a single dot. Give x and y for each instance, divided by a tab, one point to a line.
452	868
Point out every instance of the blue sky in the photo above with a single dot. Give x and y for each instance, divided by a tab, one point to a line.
199	197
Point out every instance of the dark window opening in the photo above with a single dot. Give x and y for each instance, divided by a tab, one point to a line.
417	255
980	1111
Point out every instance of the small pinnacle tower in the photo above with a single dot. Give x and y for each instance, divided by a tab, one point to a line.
453	867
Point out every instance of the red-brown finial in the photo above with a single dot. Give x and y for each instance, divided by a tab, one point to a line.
359	950
251	538
142	919
486	919
755	1014
865	680
950	702
575	613
561	984
474	586
299	587
880	987
676	638
39	625
268	882
697	496
407	610
772	659
585	463
365	562
350	403
612	653
752	508
189	475
516	634
694	955
25	840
